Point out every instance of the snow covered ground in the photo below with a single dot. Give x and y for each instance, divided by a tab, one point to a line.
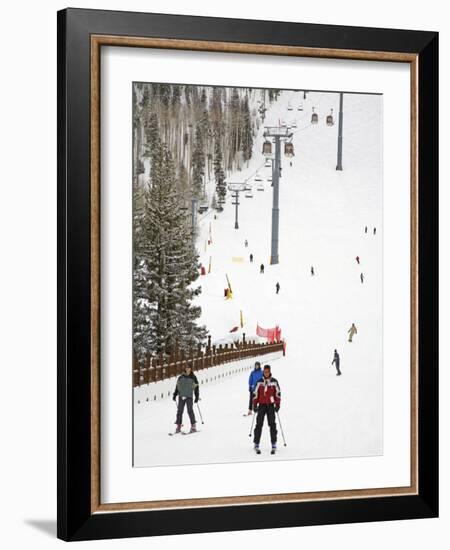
323	213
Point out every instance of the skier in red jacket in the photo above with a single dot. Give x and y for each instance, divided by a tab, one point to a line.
266	400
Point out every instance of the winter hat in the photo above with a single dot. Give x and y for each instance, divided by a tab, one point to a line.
266	367
257	365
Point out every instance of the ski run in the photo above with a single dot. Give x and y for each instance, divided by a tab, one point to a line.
323	215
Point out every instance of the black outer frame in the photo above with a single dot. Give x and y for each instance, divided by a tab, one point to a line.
75	521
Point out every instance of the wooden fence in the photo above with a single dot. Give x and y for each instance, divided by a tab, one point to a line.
160	367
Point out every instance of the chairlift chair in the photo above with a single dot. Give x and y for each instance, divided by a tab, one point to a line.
267	148
330	119
289	149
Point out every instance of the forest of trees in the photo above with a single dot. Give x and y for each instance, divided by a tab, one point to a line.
183	136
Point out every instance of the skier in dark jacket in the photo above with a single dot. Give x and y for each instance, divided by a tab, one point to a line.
266	401
254	378
337	361
277	287
251	258
261	268
186	388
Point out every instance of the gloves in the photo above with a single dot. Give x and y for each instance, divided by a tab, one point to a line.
255	408
277	408
196	399
174	397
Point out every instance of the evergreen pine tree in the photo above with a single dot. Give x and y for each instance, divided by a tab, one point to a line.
166	265
247	131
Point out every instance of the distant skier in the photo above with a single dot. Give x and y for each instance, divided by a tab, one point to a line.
362	277
277	287
312	271
351	332
374	230
337	361
186	387
251	258
357	259
365	230
254	378
261	268
266	401
290	163
246	243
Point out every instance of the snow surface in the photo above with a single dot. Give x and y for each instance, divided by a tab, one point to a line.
323	213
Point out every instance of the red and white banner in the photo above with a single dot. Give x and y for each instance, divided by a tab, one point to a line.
272	334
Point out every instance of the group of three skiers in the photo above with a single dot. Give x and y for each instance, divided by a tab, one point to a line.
265	400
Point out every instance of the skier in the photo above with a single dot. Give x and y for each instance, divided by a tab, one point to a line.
186	387
254	378
246	243
374	230
336	361
266	401
357	259
277	286
312	271
351	332
261	268
362	277
290	163
251	258
365	230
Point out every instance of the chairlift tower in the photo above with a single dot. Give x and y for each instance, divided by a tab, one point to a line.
236	188
341	117
277	133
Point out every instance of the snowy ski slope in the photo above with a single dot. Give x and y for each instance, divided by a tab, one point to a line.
323	213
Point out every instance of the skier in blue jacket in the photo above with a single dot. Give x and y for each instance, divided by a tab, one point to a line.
254	378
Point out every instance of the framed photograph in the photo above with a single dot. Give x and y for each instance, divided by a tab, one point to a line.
247	256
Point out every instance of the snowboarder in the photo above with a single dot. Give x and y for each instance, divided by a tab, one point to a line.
336	361
357	259
312	271
186	387
374	230
254	378
261	268
277	287
266	401
351	332
365	230
246	243
362	277
251	258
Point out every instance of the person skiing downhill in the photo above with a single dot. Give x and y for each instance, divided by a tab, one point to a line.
251	258
365	230
362	277
351	332
374	230
277	287
261	268
357	259
312	271
185	388
266	401
246	243
254	378
336	361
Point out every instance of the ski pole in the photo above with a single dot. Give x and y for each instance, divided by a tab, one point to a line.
200	413
251	429
281	428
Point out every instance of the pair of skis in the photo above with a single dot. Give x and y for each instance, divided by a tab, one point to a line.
183	433
258	451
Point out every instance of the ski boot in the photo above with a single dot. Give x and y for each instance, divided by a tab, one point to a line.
193	429
178	429
257	449
274	449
